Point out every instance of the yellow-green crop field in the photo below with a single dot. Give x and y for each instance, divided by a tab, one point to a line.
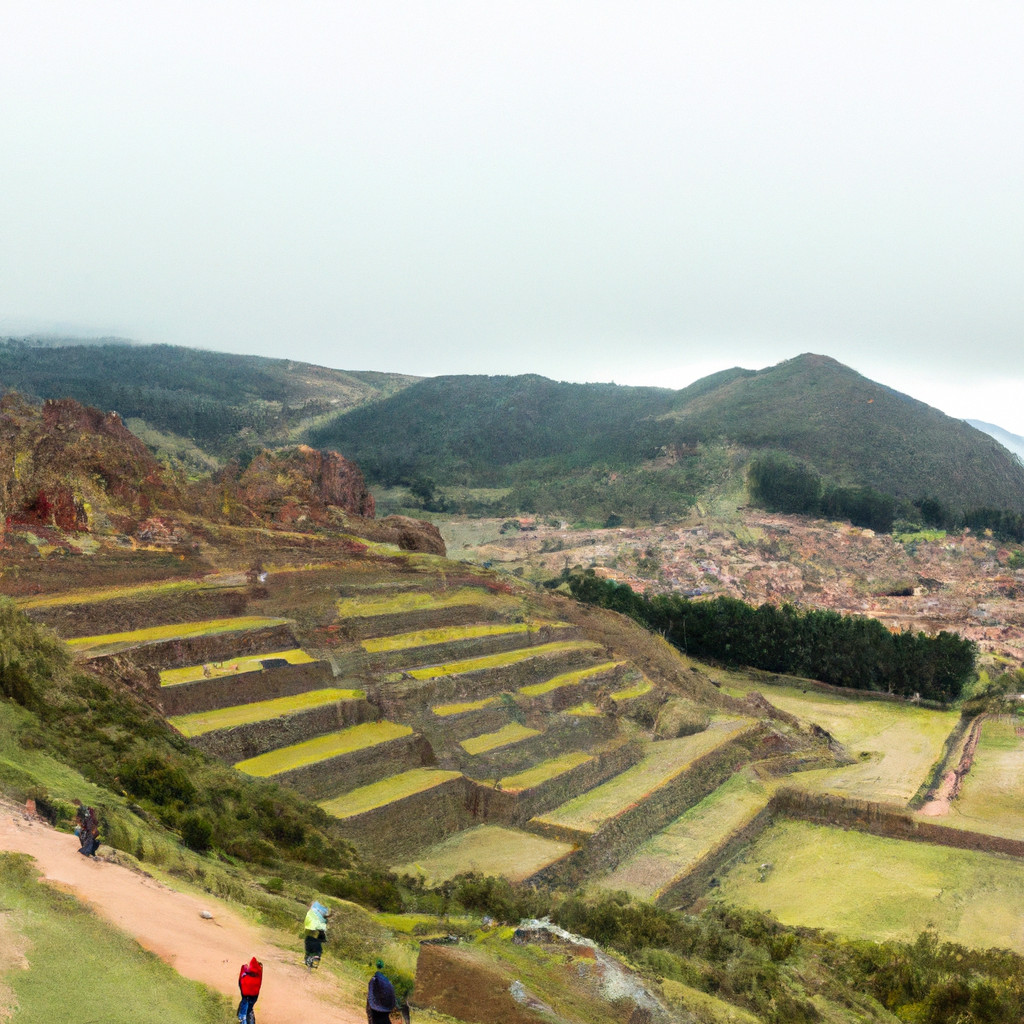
899	744
501	660
992	796
664	762
260	711
418	601
387	791
568	679
444	635
638	689
584	710
866	886
544	771
178	631
506	735
97	594
346	741
679	848
443	710
234	667
489	850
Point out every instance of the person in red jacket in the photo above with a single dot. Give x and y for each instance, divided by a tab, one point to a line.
250	977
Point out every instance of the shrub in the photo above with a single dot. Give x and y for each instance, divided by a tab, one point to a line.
196	833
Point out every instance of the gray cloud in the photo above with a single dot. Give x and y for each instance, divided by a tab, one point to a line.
585	190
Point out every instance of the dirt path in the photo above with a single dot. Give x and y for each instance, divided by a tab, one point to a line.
169	924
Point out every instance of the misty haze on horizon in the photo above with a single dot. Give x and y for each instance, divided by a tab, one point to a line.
643	193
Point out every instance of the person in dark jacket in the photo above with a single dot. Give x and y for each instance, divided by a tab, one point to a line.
250	980
380	998
87	828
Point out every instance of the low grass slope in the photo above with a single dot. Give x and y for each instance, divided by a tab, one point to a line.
58	954
515	431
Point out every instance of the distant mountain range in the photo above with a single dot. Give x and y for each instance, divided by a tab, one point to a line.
1012	442
584	451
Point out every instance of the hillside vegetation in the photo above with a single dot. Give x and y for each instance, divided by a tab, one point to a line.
566	447
225	403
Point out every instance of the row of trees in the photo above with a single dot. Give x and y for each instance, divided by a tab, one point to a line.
844	650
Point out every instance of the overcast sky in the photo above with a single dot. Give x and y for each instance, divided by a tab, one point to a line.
638	192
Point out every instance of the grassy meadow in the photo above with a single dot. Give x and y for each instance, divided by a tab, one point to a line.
897	745
663	763
57	954
992	796
701	830
865	886
487	850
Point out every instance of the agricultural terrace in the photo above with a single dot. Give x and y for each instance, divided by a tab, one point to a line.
665	761
569	679
444	710
322	748
488	850
97	594
112	642
502	660
545	771
505	736
419	601
898	744
449	634
387	791
260	711
637	689
865	886
670	855
234	667
992	795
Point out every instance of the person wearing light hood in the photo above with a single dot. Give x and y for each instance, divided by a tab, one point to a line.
315	927
380	998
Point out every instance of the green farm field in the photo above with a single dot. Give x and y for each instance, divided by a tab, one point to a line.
664	761
507	734
357	737
443	635
865	886
233	667
378	794
111	642
898	744
992	795
568	679
260	711
545	771
490	661
677	849
487	850
418	601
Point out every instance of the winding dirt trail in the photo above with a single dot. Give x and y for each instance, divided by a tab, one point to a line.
168	923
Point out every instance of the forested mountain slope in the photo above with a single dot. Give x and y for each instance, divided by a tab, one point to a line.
225	403
491	430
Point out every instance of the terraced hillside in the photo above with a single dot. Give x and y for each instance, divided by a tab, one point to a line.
453	719
450	718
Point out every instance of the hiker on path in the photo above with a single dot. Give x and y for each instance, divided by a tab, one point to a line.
250	978
380	998
315	926
87	829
